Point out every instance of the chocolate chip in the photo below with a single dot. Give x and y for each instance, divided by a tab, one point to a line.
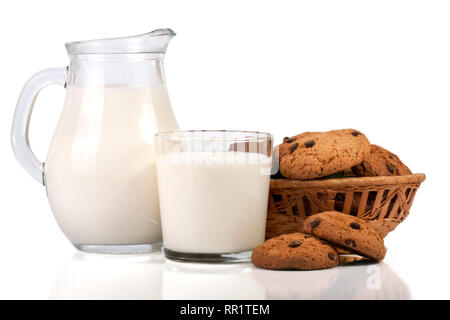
315	223
331	256
293	147
390	167
355	133
310	143
355	225
308	236
295	244
350	242
290	140
392	157
285	139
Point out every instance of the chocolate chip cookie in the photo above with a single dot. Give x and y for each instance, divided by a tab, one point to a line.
295	251
381	162
312	155
347	231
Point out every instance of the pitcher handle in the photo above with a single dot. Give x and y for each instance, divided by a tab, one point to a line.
22	115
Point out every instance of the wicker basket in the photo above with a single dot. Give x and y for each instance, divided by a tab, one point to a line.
384	202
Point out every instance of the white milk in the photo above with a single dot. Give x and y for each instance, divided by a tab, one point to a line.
100	171
213	202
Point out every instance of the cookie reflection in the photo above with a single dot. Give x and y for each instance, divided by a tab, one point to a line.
92	276
210	281
357	280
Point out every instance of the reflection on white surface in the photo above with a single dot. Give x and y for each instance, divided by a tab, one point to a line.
95	276
150	276
210	281
348	282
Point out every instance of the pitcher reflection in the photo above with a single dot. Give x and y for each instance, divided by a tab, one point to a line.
94	276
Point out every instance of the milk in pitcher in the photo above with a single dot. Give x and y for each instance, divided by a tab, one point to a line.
100	172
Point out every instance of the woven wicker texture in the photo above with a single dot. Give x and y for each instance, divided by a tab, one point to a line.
383	202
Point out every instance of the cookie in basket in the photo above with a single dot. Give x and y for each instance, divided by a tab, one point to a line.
381	162
312	155
295	251
347	231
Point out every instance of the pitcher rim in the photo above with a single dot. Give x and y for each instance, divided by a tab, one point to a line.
155	41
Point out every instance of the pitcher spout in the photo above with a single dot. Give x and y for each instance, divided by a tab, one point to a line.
158	40
155	41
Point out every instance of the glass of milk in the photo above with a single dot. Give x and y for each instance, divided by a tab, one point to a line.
213	190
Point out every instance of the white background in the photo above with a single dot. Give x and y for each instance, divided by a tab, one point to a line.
285	67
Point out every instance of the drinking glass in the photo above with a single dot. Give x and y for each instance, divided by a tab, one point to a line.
213	189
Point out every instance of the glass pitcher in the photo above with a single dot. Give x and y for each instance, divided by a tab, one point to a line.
100	171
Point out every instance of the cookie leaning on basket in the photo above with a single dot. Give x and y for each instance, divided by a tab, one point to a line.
350	232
